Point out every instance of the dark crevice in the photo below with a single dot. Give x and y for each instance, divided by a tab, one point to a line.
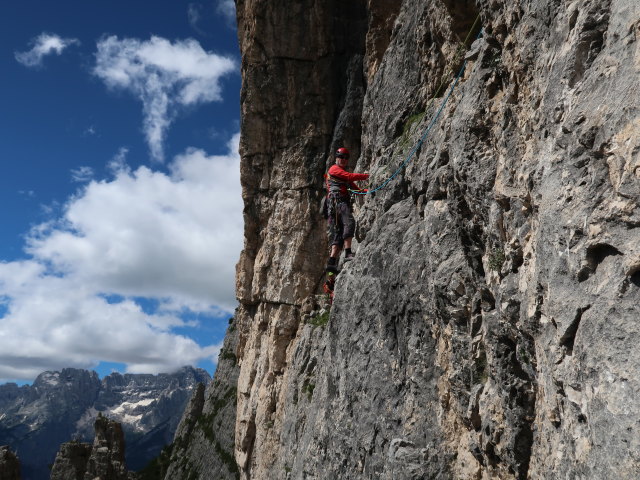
518	260
596	254
514	367
463	15
568	338
490	453
523	446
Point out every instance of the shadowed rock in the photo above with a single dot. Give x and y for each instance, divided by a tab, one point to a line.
9	465
105	459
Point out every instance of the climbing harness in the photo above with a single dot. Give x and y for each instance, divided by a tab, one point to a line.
434	119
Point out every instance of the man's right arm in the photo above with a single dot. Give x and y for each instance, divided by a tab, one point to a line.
343	175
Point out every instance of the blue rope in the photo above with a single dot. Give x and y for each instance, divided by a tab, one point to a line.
424	135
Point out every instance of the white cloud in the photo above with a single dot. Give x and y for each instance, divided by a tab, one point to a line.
82	174
227	8
194	14
164	76
44	44
119	162
171	238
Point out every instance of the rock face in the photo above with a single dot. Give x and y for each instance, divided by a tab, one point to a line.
9	465
204	442
105	459
107	455
60	406
71	461
486	328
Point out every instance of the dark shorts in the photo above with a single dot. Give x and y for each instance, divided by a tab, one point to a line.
341	223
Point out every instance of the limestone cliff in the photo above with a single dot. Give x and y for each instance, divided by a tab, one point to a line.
487	326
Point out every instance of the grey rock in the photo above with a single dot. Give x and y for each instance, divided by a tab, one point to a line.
107	459
487	326
104	460
9	464
203	445
71	461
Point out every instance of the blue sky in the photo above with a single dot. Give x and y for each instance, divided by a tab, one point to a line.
121	218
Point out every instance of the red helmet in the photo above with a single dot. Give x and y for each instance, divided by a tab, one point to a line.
342	153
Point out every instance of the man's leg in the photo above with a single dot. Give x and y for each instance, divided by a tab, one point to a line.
348	231
335	237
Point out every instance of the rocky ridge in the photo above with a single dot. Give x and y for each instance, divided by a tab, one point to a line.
486	328
105	459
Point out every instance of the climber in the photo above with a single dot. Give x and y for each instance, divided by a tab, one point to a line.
342	225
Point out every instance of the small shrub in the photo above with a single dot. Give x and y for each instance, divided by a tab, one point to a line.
157	468
308	388
320	320
496	259
227	355
413	120
480	368
524	356
228	459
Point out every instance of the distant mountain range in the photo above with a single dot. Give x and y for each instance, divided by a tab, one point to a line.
61	406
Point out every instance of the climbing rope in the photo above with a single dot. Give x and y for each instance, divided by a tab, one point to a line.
433	121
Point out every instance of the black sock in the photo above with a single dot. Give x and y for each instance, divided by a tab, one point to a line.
347	251
332	261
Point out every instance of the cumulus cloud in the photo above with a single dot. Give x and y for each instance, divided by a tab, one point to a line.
227	8
169	238
43	45
164	76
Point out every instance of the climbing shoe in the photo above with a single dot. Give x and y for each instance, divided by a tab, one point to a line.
349	256
332	265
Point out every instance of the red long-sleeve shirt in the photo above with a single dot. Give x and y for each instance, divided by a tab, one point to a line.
343	179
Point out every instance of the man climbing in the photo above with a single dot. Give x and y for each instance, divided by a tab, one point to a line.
342	225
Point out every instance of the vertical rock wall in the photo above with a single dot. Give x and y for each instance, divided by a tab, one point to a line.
203	446
487	326
302	93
